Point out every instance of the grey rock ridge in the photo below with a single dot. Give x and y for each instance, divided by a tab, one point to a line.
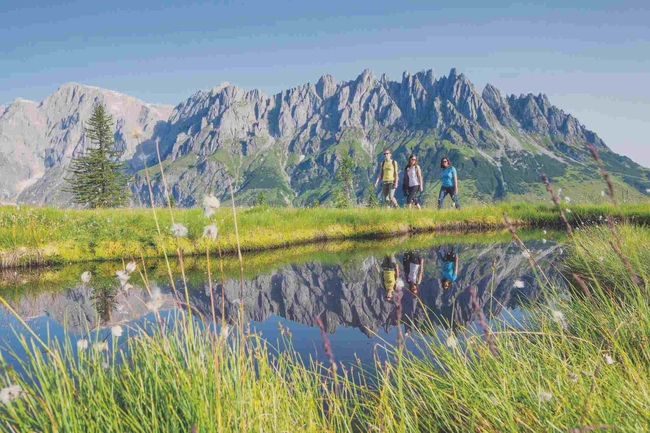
37	140
288	146
343	295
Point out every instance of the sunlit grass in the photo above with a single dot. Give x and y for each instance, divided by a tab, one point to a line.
47	235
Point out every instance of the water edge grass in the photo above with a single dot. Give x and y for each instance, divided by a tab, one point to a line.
581	364
36	236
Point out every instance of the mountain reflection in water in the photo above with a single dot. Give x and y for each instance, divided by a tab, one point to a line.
359	293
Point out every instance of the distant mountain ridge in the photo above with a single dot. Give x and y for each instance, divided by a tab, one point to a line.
289	145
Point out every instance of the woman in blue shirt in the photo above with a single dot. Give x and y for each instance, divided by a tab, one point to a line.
449	180
449	266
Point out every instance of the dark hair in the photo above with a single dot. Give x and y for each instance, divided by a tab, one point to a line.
443	160
408	161
445	282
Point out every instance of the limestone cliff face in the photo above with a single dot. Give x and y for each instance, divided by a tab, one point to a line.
37	140
289	145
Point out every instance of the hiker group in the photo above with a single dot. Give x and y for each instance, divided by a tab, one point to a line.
412	183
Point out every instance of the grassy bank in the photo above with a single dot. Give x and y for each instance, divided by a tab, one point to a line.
582	364
32	236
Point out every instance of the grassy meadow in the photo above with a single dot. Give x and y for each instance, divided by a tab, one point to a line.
31	235
581	364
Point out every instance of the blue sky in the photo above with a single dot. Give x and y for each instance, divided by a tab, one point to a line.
591	58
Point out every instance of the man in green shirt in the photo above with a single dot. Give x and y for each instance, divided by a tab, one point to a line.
388	174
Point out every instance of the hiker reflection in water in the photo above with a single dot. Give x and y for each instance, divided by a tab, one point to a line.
414	268
389	275
449	266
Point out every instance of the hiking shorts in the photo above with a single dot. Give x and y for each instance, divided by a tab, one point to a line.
388	191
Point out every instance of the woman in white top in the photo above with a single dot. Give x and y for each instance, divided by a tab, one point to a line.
412	182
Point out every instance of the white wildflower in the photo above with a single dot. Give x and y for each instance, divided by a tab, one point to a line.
131	266
136	133
558	316
225	331
117	331
567	199
156	298
179	230
600	217
518	284
608	359
452	342
545	396
208	211
11	393
82	344
210	232
573	377
85	277
100	346
123	276
211	201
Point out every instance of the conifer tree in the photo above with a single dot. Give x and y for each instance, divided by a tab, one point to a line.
97	177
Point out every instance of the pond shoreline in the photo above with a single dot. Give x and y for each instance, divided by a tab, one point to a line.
36	237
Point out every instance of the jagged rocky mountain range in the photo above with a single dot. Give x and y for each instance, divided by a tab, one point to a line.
343	295
290	145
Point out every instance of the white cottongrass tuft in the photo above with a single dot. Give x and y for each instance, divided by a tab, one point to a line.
602	193
131	266
543	241
117	331
210	232
85	277
567	199
558	316
82	344
136	133
225	331
211	201
608	359
123	276
452	342
519	284
100	346
156	298
568	210
544	231
208	211
10	393
179	230
545	396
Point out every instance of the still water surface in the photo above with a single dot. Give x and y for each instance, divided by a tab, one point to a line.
353	290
